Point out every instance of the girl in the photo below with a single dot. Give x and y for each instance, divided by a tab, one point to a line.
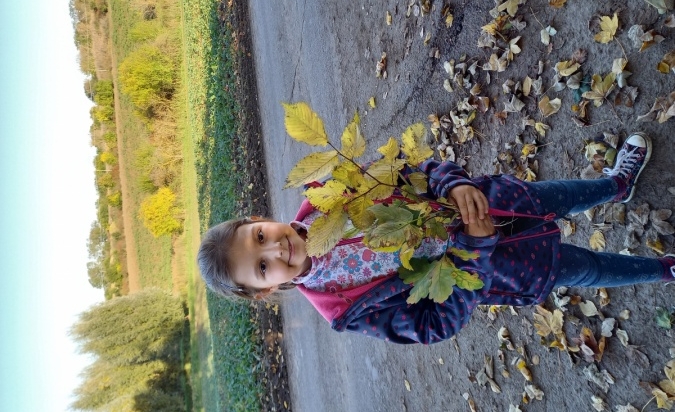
359	290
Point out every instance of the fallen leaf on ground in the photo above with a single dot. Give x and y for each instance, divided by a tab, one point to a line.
598	403
591	349
600	88
557	3
522	367
659	221
533	392
597	241
546	34
664	318
602	379
608	27
608	327
549	107
626	408
588	308
623	336
662	109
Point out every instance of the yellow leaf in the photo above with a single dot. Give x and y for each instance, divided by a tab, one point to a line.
527	86
415	146
325	232
597	241
371	102
381	178
312	167
557	3
546	323
353	143
357	209
327	197
522	367
549	107
662	400
667	62
349	174
390	150
567	67
511	7
405	254
600	88
449	18
656	245
303	125
608	26
418	180
541	128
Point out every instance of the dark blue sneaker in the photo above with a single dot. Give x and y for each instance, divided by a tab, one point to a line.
630	161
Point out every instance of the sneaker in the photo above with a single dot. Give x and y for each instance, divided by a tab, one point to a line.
630	161
668	262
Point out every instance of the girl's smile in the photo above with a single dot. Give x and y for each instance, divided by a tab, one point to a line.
268	254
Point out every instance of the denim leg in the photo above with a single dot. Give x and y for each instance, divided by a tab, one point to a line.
583	267
573	196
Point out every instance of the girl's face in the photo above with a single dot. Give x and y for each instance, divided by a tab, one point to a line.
268	254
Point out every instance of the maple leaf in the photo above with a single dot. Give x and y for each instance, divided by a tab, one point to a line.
597	241
608	27
546	323
353	143
600	88
415	146
303	125
312	167
325	232
567	67
549	107
511	6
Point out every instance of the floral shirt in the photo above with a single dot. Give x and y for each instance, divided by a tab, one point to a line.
352	264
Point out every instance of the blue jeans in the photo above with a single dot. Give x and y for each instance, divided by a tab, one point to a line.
583	267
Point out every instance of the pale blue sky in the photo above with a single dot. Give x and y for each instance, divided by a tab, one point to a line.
47	201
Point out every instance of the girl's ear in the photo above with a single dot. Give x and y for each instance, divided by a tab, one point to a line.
264	293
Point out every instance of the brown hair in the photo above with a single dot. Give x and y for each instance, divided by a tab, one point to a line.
215	261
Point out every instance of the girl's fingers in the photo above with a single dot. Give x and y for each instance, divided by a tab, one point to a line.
471	208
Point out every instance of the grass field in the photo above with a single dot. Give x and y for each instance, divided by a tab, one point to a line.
154	254
227	376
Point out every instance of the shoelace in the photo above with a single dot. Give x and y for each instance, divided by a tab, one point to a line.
624	163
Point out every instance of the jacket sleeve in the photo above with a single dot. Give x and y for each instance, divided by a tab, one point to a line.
443	177
383	313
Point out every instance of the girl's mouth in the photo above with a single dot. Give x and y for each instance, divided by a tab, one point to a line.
290	251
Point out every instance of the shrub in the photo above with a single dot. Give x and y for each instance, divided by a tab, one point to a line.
159	213
144	30
147	76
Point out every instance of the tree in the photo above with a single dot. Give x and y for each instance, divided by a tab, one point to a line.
147	76
159	213
135	341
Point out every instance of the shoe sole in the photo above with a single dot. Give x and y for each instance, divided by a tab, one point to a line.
648	140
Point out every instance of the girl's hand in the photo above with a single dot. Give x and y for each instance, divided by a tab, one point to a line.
471	203
480	228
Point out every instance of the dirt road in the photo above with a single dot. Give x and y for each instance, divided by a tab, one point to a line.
325	53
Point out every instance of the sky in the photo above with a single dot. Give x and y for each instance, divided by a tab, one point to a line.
47	204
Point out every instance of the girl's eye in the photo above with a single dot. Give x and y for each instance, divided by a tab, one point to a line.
260	236
263	267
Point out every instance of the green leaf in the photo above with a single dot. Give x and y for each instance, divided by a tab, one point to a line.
463	254
466	280
436	228
431	280
663	318
389	236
